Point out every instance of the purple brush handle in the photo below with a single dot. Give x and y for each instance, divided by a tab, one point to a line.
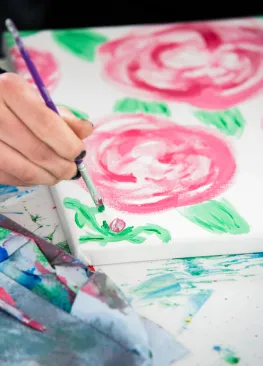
35	75
38	81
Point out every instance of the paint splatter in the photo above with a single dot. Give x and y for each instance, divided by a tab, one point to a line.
169	282
218	217
158	287
50	236
85	216
230	122
144	163
47	65
130	105
80	43
35	218
210	65
227	355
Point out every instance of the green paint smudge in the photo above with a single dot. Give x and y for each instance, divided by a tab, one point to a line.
4	233
231	359
10	41
76	112
82	43
35	218
230	122
64	246
130	105
218	217
194	276
227	355
156	287
85	216
50	236
53	291
40	257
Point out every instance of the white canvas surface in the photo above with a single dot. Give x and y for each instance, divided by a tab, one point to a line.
80	84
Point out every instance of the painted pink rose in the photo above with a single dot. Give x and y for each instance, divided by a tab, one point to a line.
210	65
145	163
46	64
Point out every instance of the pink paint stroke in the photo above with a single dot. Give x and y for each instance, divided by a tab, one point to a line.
4	295
210	65
144	164
46	64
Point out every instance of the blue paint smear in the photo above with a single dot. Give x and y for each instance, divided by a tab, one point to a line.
199	299
257	255
28	279
193	268
3	254
217	348
4	189
159	286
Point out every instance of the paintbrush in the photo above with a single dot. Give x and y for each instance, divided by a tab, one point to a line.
47	99
19	315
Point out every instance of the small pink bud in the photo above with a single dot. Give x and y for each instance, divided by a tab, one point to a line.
117	225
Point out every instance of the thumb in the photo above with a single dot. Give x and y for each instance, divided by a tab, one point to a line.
82	127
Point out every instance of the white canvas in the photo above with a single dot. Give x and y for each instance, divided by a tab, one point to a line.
177	146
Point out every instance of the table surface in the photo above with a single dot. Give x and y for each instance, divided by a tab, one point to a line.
212	305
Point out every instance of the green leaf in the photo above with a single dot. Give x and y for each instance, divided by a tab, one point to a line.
149	229
10	41
218	217
79	42
85	217
130	105
76	112
230	122
80	220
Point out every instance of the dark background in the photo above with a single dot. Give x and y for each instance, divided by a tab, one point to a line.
41	14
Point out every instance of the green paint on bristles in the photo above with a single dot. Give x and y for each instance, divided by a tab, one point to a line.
101	208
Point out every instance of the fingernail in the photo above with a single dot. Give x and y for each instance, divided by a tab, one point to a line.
81	155
77	176
87	121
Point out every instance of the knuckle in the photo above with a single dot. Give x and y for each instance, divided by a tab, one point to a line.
28	175
41	153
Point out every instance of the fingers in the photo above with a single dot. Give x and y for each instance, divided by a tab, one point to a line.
15	134
45	124
10	180
18	166
81	127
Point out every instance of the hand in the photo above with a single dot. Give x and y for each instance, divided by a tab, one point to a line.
37	147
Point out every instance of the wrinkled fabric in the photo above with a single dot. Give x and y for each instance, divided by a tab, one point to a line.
89	297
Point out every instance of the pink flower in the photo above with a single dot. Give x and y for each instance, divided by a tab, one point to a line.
212	65
46	65
117	225
145	163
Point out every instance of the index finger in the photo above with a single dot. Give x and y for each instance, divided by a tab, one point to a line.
49	127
